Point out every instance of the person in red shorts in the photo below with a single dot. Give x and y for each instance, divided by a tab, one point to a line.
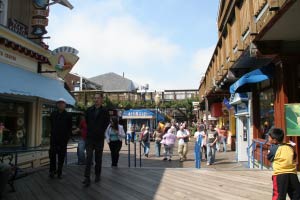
283	156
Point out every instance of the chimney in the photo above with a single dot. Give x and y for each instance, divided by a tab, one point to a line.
123	74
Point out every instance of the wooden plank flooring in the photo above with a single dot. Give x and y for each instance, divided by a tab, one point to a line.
147	183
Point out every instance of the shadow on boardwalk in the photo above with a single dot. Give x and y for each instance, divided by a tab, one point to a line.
146	183
156	179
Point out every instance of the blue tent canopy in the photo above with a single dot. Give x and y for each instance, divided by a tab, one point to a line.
18	81
255	76
141	114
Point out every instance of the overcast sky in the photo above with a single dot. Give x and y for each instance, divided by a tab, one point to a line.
165	43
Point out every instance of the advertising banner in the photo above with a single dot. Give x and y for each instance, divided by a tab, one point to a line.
292	119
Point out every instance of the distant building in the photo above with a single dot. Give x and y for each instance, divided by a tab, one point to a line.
112	82
117	88
82	88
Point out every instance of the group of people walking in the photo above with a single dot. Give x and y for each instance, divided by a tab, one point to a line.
166	137
96	128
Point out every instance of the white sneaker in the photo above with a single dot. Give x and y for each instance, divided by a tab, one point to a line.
207	164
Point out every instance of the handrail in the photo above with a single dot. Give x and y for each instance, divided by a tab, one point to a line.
248	153
253	146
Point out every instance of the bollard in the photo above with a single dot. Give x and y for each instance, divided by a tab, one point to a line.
140	154
128	142
134	154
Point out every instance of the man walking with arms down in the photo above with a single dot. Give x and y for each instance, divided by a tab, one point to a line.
212	138
61	130
97	119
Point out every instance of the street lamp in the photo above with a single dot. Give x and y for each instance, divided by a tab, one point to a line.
157	102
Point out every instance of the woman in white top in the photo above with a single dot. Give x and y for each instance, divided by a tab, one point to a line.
201	131
114	135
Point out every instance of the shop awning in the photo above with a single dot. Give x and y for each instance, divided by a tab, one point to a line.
256	76
17	81
141	114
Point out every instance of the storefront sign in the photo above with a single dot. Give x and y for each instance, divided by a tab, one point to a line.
241	108
63	59
39	12
292	119
7	56
17	27
39	20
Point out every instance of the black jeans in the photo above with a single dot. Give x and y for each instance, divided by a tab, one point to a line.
115	147
92	146
60	152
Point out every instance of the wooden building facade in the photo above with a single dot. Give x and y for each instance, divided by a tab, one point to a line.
256	66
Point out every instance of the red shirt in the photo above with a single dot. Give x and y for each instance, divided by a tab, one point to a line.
83	129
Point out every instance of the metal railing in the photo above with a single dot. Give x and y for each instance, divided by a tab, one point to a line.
251	157
132	139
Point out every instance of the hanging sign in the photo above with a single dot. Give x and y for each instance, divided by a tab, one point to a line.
39	20
292	119
63	59
40	12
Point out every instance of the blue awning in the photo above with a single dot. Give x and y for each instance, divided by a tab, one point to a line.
141	114
256	76
17	81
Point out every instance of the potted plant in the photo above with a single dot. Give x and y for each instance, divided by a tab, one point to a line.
4	177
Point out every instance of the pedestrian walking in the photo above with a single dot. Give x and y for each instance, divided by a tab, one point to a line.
114	135
218	143
283	158
201	132
183	138
61	130
168	141
157	135
81	144
223	138
146	141
97	119
132	133
212	138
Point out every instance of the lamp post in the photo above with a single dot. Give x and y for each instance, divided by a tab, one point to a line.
157	102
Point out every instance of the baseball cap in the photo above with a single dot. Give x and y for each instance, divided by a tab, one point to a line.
61	100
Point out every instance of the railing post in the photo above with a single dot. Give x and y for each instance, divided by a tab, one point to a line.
140	154
253	151
16	159
66	157
261	156
128	142
134	153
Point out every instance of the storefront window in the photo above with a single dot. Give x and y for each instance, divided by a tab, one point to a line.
46	125
13	123
266	104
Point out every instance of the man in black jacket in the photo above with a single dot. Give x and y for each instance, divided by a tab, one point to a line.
97	119
61	130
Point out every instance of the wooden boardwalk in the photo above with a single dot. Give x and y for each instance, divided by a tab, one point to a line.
146	183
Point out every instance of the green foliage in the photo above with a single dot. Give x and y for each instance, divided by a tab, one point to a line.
179	105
